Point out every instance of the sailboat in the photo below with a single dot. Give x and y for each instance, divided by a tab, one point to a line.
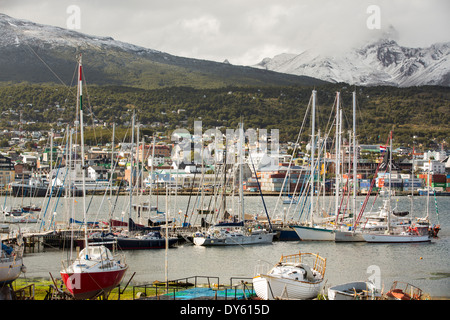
235	232
11	257
351	234
223	235
313	231
399	234
95	272
136	236
295	277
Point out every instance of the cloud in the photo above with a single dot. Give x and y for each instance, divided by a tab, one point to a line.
244	32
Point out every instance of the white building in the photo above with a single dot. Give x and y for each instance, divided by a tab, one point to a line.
434	166
435	155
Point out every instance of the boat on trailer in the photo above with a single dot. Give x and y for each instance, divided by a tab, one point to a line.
95	271
295	277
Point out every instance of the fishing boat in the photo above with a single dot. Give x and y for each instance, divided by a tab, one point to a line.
35	188
95	271
90	185
295	277
11	257
358	290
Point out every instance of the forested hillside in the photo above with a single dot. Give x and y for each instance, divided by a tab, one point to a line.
423	112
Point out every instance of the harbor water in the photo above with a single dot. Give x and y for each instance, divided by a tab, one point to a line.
425	265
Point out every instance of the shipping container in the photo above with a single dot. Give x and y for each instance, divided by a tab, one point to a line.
409	184
386	181
383	174
438	185
277	175
439	178
413	179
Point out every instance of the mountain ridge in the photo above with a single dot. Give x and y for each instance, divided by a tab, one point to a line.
36	53
381	62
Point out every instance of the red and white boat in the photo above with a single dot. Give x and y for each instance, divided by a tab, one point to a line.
95	272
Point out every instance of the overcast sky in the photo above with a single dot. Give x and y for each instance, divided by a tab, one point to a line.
245	31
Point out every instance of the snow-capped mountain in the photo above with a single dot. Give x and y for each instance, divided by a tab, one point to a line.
16	32
39	53
382	62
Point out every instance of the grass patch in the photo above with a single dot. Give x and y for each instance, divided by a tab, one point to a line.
42	288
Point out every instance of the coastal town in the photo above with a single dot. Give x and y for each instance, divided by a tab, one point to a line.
28	159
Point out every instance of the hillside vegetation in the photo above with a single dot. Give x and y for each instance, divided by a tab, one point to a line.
420	112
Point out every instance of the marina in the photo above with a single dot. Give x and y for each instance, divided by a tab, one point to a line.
424	265
185	179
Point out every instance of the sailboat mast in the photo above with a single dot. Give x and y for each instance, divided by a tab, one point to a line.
131	170
338	165
313	146
151	176
80	107
354	158
412	183
428	188
241	174
390	179
70	188
111	174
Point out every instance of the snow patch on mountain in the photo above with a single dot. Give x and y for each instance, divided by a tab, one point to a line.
382	62
18	31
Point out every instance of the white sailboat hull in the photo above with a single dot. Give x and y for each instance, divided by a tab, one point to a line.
348	236
395	238
314	234
270	288
10	270
261	238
